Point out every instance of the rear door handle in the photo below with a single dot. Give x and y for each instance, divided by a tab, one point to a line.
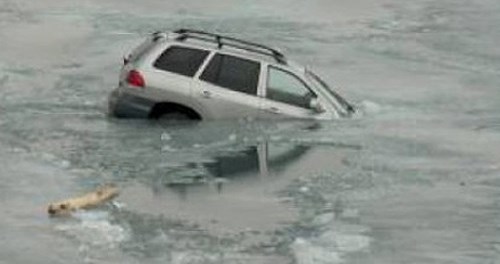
206	94
273	110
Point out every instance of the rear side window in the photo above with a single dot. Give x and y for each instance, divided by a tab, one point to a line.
233	73
181	60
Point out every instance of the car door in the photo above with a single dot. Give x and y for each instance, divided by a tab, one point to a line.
227	87
286	96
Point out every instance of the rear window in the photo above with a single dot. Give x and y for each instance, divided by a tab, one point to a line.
234	73
181	60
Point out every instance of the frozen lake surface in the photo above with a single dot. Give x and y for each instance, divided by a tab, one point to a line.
414	178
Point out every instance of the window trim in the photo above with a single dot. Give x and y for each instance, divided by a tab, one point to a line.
204	65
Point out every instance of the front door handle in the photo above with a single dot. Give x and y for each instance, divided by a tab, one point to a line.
206	94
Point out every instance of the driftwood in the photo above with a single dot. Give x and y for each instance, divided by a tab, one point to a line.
95	198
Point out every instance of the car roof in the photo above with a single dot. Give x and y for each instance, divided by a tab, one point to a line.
270	55
225	41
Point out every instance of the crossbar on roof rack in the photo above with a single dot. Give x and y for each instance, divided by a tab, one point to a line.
232	42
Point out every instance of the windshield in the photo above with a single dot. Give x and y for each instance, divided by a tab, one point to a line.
319	82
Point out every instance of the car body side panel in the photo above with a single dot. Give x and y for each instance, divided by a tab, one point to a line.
277	110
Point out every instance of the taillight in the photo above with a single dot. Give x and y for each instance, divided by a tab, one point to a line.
135	78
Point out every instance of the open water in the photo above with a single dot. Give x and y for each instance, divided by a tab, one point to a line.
413	178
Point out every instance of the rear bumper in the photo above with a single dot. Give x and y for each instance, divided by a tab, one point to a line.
122	104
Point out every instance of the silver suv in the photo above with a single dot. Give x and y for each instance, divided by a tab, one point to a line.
190	74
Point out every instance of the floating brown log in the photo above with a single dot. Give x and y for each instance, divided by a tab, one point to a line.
92	199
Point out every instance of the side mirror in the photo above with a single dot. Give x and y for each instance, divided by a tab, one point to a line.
316	106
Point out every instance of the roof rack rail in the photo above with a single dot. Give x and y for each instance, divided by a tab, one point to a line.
232	42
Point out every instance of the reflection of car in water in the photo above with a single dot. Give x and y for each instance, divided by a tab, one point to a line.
258	159
253	161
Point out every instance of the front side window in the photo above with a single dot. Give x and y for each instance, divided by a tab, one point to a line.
319	82
287	88
181	60
234	73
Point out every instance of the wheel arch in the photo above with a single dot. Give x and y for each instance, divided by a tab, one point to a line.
161	108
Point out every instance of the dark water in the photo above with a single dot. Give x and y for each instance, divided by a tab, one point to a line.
414	178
